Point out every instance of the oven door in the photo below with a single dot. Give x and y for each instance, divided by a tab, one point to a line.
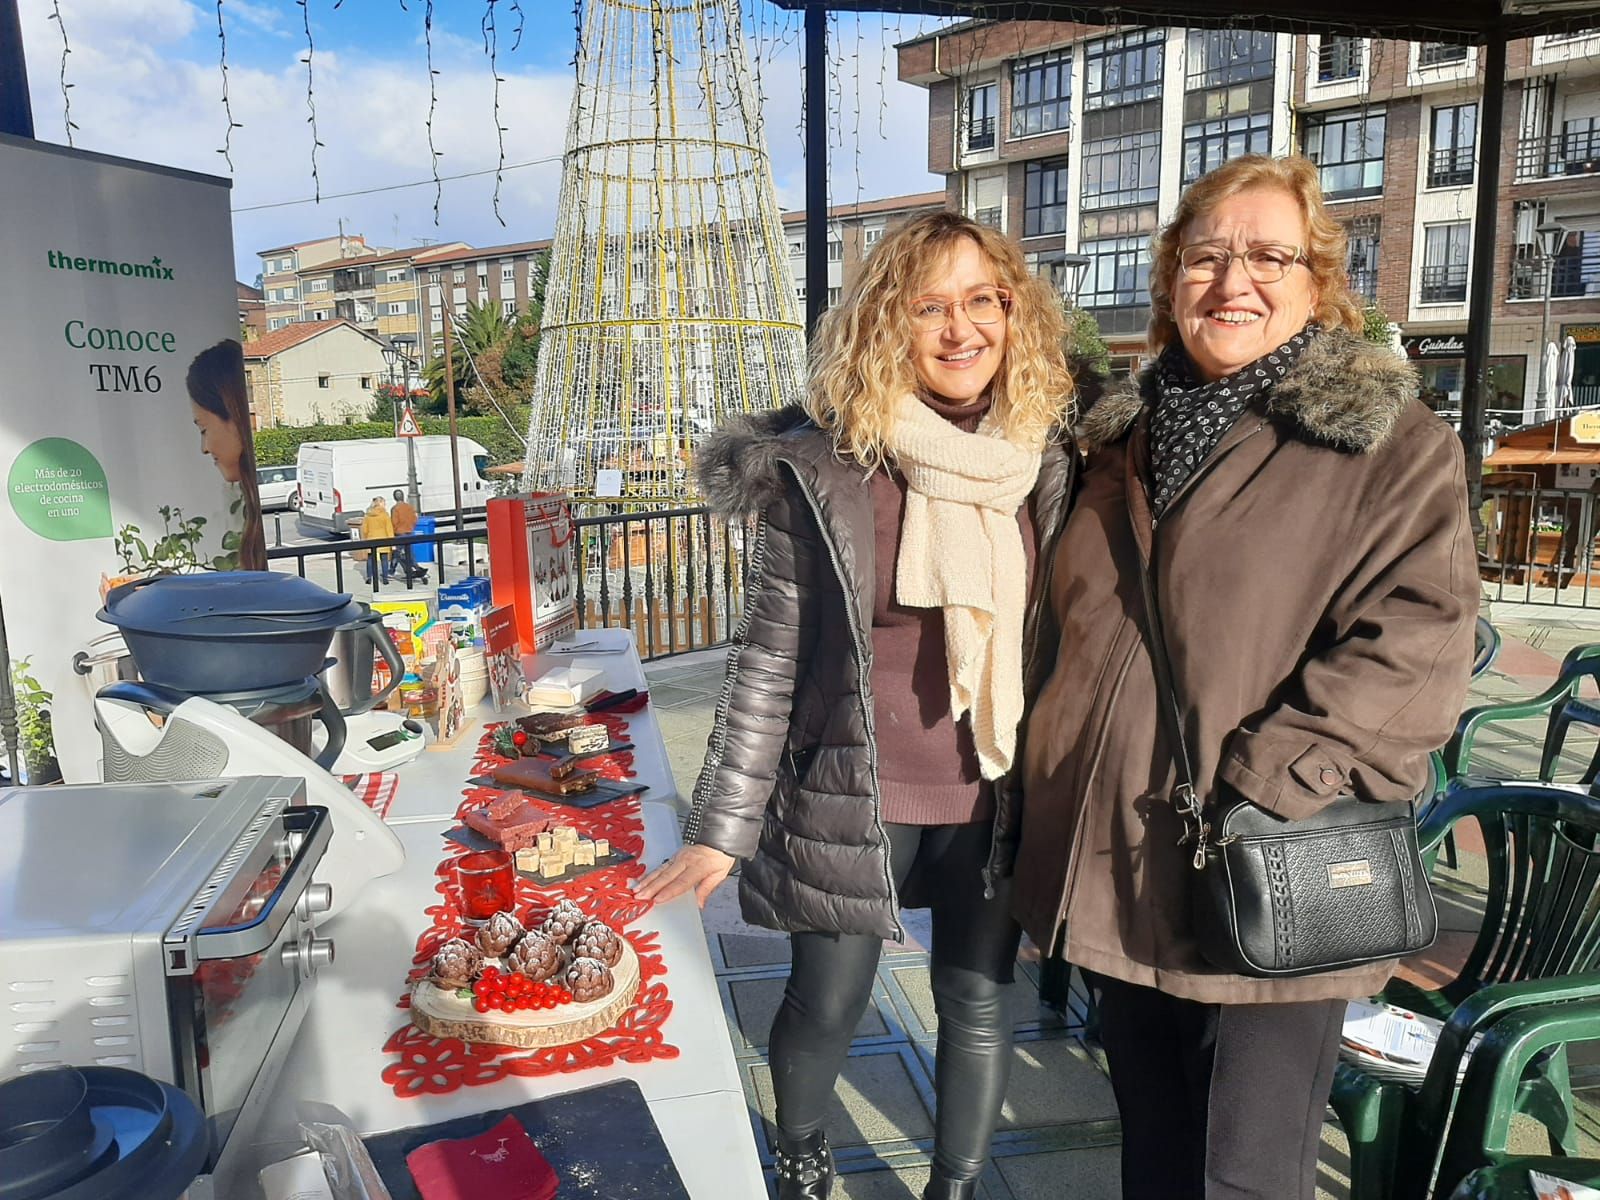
236	1015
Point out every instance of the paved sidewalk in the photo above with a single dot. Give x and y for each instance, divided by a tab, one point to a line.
1059	1133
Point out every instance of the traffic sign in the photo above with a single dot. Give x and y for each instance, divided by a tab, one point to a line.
408	426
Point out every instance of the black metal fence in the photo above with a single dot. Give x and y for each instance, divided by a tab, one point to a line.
1538	543
676	577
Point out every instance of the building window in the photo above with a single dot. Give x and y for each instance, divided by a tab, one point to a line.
1455	141
324	381
835	250
286	264
991	216
1444	262
276	323
1439	54
1118	274
460	275
508	272
1041	93
366	381
433	278
833	296
1123	69
797	249
397	308
317	285
1338	58
483	297
270	266
1122	170
872	235
396	275
800	292
483	270
1044	203
1219	57
981	107
1362	262
1208	144
436	315
1576	271
508	308
1347	146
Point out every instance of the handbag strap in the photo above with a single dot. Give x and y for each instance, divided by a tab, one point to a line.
1185	799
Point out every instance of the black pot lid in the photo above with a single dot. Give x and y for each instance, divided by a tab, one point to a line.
130	1137
179	604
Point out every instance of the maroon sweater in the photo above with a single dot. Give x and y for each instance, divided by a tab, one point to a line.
927	763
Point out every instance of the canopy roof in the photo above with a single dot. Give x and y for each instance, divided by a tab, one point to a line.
1414	20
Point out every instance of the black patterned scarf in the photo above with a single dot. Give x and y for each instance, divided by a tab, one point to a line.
1191	416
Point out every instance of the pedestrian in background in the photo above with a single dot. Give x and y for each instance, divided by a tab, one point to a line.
404	519
375	526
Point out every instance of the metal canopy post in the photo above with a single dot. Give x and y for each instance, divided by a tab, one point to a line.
816	110
16	111
1480	294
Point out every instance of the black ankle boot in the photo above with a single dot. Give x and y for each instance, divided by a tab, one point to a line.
805	1169
942	1187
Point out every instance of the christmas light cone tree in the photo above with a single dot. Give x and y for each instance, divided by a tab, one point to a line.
670	305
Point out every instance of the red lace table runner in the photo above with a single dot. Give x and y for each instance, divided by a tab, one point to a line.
422	1064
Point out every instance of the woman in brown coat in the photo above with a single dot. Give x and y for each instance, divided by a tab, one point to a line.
1306	523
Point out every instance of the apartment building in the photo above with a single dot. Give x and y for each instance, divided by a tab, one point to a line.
281	286
853	230
1078	140
505	277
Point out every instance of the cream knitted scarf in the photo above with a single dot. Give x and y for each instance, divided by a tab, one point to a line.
961	550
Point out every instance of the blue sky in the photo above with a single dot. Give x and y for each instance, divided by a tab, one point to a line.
146	83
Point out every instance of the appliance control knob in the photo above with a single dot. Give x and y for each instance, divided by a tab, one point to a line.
321	952
291	956
317	898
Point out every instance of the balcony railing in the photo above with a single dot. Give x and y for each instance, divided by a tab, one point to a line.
980	133
1438	54
1574	276
1444	285
988	216
1450	166
1338	58
1576	153
1364	282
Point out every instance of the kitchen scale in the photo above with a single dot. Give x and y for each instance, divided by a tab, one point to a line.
375	741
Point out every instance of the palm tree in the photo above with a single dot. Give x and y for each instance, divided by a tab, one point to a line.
478	329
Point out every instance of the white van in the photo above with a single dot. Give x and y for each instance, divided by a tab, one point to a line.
338	480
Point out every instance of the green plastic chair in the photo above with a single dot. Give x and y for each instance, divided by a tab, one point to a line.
1581	662
1539	942
1476	1165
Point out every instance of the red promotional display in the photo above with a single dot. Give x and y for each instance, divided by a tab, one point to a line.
530	566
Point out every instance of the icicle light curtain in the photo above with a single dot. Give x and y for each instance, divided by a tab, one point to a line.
670	304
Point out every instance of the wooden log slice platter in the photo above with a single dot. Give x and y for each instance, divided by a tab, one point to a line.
441	1013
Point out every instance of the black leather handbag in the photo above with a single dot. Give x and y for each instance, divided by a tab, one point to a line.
1273	898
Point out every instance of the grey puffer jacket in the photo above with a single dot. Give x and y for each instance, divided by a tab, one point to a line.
790	777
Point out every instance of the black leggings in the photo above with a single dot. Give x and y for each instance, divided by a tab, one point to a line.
974	950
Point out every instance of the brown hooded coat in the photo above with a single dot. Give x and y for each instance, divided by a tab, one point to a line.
1317	583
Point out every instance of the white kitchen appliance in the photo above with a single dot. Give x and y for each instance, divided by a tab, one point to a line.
154	734
167	928
374	741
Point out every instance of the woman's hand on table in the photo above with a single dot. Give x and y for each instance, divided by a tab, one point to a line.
700	868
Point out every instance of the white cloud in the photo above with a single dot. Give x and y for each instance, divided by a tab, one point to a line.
147	85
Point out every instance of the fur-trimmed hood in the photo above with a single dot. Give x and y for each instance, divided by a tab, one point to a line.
1344	392
737	466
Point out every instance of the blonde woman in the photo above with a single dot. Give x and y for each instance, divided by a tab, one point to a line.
859	763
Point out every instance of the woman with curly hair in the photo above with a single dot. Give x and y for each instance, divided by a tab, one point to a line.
861	759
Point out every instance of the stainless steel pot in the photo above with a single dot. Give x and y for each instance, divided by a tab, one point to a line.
348	679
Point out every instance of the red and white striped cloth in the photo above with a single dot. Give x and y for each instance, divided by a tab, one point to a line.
375	790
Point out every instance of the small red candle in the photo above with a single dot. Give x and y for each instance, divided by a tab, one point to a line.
487	881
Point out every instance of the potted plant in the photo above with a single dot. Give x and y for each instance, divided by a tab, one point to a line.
33	723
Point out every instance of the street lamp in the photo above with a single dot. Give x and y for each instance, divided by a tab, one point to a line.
1551	235
392	355
1073	268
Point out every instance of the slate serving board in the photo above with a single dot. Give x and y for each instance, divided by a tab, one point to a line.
602	1142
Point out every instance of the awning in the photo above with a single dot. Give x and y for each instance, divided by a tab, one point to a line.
1525	456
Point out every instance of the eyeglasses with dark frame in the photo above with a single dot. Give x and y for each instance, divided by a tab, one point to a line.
982	306
1269	262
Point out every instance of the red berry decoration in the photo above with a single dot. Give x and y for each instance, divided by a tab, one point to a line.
598	940
519	739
